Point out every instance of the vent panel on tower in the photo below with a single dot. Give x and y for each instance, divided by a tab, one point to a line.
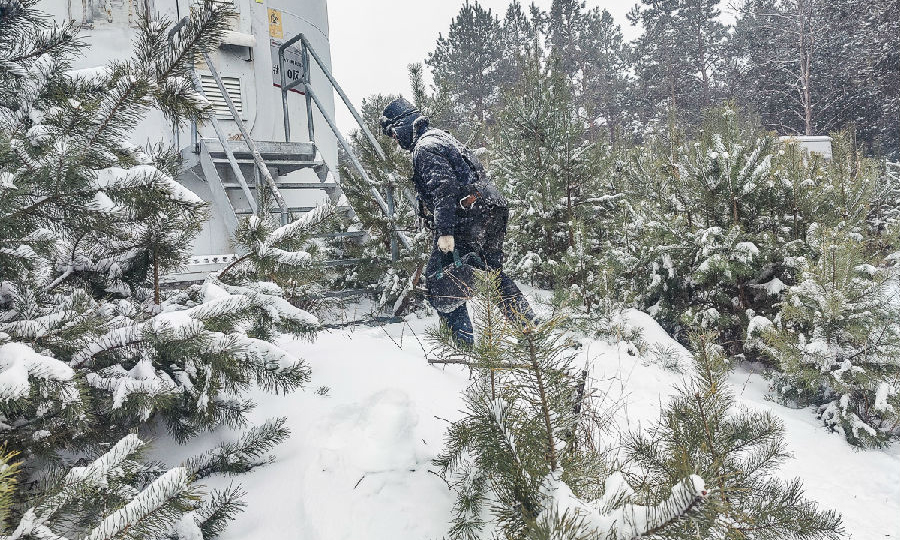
232	86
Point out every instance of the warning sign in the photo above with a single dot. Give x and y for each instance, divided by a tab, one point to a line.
275	28
293	65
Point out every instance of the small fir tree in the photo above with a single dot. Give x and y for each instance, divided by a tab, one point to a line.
525	460
735	450
836	341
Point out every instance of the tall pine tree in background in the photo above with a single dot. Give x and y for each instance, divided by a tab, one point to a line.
522	39
468	65
678	59
607	83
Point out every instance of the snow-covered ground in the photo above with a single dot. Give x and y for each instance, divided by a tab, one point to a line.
357	464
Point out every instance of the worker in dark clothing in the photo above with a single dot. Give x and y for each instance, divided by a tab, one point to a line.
468	215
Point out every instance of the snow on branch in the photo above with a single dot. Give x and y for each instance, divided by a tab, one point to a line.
628	521
161	491
19	362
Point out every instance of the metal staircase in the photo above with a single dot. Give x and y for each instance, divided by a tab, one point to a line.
281	159
236	171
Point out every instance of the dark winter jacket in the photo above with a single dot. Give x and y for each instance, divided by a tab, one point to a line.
445	171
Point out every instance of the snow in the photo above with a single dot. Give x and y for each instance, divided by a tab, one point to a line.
187	528
373	416
19	362
628	521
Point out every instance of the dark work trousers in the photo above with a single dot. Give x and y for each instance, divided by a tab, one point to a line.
481	232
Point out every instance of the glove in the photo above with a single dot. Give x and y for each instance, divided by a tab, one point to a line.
446	243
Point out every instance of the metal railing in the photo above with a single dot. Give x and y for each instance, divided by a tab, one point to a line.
261	166
307	50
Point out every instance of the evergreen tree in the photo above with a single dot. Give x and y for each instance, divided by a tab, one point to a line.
836	341
735	451
812	67
90	348
540	162
607	84
679	58
877	68
467	64
525	454
567	24
522	39
120	496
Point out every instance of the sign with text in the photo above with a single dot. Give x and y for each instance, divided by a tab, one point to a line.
293	65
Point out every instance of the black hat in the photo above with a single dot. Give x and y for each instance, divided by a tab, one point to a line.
397	112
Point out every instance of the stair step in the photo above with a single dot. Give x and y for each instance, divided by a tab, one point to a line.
291	209
289	185
274	150
283	166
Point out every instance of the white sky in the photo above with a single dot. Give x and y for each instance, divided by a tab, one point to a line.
372	41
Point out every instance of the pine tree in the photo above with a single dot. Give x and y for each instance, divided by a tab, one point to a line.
467	65
525	454
735	451
836	341
90	348
289	258
679	58
813	67
119	495
607	84
522	39
541	164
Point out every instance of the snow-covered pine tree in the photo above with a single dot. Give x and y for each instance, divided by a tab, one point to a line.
119	495
285	261
522	39
525	460
836	341
607	82
110	497
540	162
699	225
9	468
90	349
735	450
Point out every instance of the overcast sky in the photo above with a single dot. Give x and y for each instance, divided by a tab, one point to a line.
372	41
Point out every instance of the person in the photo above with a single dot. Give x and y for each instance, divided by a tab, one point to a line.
468	215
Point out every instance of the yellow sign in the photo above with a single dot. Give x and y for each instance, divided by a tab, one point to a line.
275	29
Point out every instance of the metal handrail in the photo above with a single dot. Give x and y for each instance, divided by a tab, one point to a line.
311	96
257	157
235	168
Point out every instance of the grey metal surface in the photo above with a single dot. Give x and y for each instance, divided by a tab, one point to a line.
229	156
216	187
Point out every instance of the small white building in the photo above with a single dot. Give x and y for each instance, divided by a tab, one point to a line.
816	144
